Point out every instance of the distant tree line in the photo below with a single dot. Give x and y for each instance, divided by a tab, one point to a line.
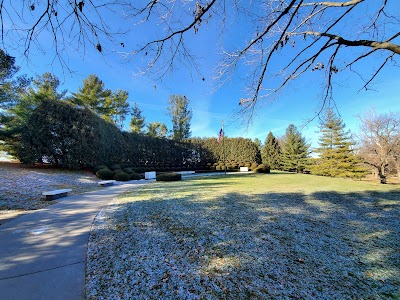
376	148
38	122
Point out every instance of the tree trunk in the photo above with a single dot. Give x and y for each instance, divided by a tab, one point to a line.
398	170
382	175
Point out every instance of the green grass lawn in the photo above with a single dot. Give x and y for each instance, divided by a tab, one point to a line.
257	236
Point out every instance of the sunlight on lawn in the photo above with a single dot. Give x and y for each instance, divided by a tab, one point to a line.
261	236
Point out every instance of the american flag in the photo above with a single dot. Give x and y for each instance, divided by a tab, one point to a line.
220	135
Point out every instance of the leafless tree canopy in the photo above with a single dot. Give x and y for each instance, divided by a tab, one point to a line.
275	41
380	141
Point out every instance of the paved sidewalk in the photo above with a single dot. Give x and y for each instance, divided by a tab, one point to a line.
43	253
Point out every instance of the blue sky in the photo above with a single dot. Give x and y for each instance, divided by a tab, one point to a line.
296	105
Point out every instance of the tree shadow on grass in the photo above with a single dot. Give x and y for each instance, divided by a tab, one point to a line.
324	245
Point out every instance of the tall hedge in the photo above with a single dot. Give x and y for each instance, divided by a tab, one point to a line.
71	137
236	149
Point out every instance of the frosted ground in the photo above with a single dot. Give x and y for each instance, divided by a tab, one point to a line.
276	236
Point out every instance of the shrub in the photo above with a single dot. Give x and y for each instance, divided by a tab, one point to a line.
115	167
168	177
262	169
99	167
135	176
253	166
105	174
122	176
118	171
128	170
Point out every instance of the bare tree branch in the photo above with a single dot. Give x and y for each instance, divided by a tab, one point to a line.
386	45
275	41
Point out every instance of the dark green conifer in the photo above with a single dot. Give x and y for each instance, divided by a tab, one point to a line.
271	152
336	156
294	150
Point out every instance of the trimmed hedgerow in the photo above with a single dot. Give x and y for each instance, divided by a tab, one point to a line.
168	177
122	176
76	138
115	167
135	176
128	170
99	167
105	174
262	169
117	171
253	166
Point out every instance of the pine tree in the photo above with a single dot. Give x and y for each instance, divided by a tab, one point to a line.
181	116
116	107
294	150
157	129
271	152
92	94
137	121
111	106
336	157
15	118
258	144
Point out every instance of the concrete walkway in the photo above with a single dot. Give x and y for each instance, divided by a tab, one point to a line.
43	253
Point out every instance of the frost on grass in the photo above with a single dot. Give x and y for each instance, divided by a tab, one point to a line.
177	242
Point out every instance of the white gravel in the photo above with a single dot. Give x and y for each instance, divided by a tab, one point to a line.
162	243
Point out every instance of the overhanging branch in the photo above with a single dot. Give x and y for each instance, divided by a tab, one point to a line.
386	45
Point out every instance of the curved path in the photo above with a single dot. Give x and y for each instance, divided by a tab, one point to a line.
43	253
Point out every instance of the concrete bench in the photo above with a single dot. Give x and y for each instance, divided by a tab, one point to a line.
51	195
106	182
244	169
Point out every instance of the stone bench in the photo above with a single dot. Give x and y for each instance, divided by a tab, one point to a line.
106	182
244	169
51	195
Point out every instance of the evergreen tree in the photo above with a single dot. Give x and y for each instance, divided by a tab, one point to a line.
116	107
8	69
181	116
271	152
258	144
15	117
92	94
157	129
163	132
46	88
294	150
111	106
137	121
336	157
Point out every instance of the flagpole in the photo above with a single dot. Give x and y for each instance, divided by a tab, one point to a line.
223	144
